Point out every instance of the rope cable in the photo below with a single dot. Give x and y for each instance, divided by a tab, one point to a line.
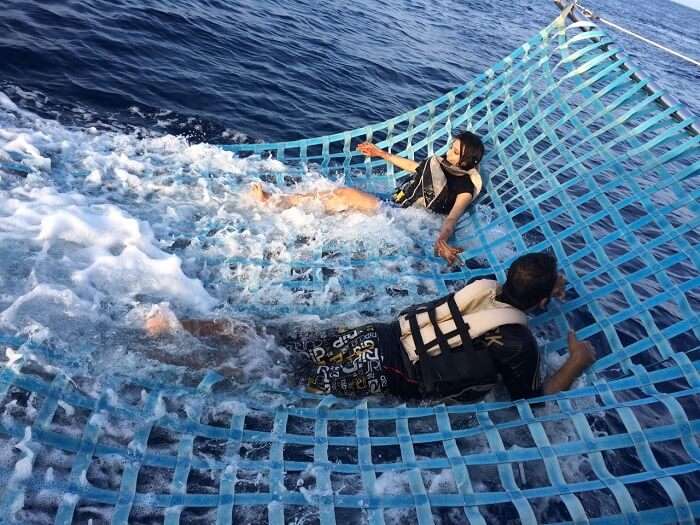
590	14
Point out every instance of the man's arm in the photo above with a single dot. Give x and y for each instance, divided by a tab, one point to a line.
581	356
159	324
207	327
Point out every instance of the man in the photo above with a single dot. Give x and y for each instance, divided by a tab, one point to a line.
454	348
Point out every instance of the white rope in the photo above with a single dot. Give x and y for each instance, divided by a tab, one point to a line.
593	16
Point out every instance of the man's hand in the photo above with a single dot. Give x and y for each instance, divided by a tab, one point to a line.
581	352
369	149
559	291
447	252
581	356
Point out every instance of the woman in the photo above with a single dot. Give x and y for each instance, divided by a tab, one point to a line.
445	185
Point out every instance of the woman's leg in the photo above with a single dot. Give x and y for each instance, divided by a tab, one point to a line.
349	199
341	199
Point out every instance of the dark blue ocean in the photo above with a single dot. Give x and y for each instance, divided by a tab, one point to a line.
273	70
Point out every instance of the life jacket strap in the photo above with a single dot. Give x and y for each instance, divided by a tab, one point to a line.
417	337
462	327
450	364
441	339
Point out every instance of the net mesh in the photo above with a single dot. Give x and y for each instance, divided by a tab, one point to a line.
582	160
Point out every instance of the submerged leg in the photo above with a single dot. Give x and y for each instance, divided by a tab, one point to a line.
341	199
256	192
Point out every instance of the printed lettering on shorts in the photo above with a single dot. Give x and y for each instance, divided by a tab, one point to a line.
350	364
344	338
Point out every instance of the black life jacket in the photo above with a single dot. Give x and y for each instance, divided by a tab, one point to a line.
427	187
453	367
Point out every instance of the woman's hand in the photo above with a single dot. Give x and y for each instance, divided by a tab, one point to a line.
369	149
447	252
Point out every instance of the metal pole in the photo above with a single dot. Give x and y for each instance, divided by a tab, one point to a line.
666	101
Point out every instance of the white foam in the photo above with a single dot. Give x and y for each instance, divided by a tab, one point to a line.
392	483
13	359
116	254
24	466
6	103
35	301
70	498
17	504
68	409
232	407
133	273
160	410
443	482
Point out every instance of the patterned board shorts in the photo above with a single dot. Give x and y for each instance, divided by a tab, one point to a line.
344	363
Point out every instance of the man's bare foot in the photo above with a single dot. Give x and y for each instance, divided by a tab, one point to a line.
157	323
257	192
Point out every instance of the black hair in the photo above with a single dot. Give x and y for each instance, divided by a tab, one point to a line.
471	150
530	279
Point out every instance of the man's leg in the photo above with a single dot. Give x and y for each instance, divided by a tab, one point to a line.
158	323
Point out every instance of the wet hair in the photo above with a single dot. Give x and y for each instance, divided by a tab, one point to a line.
471	150
530	279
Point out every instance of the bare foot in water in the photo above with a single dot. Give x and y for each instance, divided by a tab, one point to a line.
257	192
157	324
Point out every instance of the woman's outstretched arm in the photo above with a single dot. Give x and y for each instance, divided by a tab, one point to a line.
369	149
442	248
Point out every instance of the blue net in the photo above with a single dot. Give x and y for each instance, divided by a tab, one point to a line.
582	159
